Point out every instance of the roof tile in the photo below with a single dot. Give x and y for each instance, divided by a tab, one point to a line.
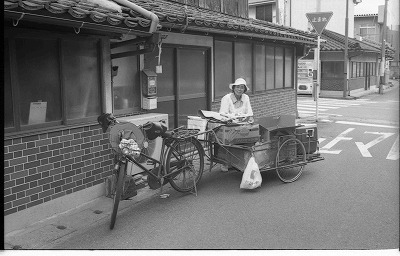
171	15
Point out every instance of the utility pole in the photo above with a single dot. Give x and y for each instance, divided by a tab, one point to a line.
383	47
346	50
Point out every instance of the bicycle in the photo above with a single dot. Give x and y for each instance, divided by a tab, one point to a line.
181	162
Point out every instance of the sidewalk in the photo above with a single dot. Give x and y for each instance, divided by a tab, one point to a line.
46	233
361	92
51	231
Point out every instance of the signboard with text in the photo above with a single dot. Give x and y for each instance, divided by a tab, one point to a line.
319	20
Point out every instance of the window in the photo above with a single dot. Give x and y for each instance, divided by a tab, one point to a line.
263	66
368	31
82	80
279	67
373	70
289	68
38	80
223	67
353	69
8	104
264	12
243	63
362	64
332	69
50	81
125	82
270	59
260	69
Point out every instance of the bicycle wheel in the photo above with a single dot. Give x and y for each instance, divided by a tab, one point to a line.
290	160
185	161
118	192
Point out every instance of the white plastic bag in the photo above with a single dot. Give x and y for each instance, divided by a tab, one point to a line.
251	178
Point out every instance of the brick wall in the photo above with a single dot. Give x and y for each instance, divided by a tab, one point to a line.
276	102
43	167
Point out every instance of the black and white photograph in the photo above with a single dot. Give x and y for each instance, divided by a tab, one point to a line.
192	127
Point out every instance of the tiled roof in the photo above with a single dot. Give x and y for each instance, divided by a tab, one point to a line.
172	16
336	42
389	50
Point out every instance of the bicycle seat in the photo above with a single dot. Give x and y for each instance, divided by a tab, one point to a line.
154	129
105	120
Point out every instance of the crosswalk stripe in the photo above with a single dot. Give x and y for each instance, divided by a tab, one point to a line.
310	109
307	107
307	112
326	107
337	104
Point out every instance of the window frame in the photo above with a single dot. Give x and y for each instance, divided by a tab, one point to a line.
11	35
254	89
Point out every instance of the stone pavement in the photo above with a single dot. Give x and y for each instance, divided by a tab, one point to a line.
48	232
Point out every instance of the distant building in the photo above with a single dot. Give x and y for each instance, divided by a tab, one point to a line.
368	26
363	63
292	13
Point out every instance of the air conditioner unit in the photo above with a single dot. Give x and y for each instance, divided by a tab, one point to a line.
154	146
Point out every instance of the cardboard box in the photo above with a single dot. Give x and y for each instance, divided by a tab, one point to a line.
195	122
239	134
276	122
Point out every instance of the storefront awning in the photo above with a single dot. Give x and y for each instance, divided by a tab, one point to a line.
173	16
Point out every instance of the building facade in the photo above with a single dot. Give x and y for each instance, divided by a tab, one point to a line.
362	62
368	27
292	13
66	62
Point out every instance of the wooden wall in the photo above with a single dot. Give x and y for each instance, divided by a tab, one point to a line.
237	8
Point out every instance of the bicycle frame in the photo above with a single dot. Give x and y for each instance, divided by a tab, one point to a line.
160	162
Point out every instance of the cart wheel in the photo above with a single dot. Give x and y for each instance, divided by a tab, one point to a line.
290	160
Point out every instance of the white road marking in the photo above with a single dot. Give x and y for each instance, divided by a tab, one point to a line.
325	149
364	147
307	112
366	124
310	108
311	105
394	151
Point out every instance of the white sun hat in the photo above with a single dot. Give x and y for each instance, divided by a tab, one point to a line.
239	81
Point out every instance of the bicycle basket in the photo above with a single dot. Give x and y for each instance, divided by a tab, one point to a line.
126	131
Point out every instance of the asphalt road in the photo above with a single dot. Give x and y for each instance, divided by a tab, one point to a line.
348	201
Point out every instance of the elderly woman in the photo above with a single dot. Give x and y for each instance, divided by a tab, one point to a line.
237	103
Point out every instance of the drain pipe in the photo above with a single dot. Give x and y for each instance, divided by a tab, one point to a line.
153	17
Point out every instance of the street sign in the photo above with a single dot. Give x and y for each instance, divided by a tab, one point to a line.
319	20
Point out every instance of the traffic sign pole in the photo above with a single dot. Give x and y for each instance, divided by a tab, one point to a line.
318	20
318	77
